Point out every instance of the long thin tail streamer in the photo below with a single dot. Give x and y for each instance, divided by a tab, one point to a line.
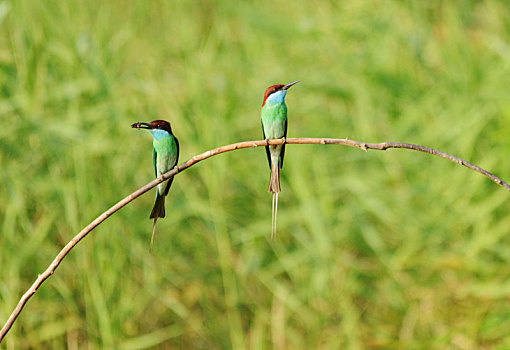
274	214
153	232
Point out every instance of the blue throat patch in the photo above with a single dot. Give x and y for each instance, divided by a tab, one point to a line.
158	133
277	97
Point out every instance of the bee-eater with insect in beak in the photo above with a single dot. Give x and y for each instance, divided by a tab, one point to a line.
165	154
274	126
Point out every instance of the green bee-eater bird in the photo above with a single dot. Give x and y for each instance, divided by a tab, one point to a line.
165	154
274	126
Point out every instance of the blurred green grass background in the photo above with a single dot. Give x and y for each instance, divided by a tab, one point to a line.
390	250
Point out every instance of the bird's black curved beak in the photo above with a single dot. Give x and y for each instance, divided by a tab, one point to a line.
141	126
286	87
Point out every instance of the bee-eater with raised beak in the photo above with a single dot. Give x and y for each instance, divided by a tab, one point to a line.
274	126
165	155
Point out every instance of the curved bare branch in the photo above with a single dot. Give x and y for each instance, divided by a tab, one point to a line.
246	144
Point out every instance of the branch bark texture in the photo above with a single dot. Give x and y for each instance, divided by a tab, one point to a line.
246	144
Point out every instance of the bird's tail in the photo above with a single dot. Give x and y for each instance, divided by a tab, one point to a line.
158	211
274	187
274	180
274	213
153	232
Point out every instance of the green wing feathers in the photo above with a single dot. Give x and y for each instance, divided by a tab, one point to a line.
165	155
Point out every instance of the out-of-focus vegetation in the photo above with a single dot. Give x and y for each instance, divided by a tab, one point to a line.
388	250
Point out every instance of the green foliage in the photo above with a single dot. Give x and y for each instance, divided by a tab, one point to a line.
385	250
